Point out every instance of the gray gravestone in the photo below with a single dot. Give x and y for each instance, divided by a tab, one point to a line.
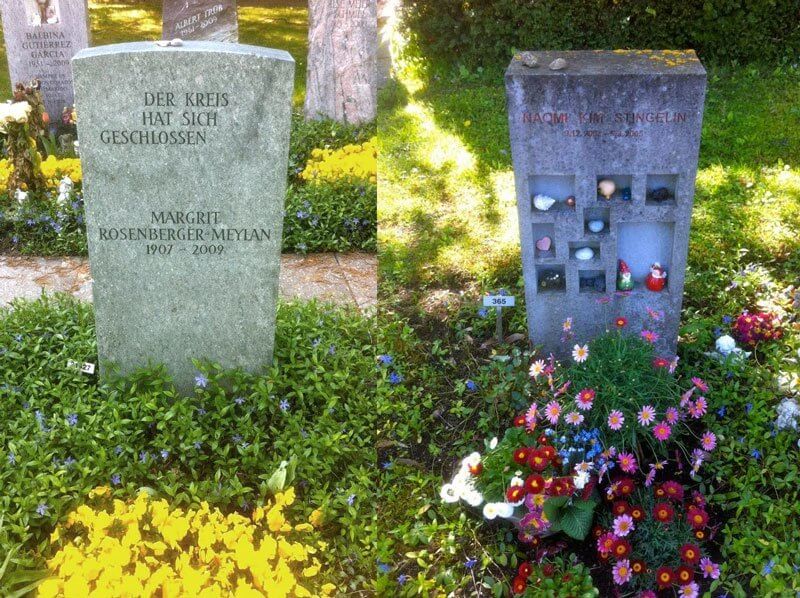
208	20
184	152
41	38
632	117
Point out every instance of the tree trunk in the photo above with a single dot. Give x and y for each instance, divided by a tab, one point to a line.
342	51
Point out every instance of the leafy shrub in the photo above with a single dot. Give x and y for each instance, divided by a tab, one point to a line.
64	434
486	33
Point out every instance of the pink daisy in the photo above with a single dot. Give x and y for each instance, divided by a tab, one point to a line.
687	397
700	384
673	365
622	572
690	590
585	399
627	462
709	441
615	420
552	412
672	416
650	336
650	477
567	325
647	415
709	568
623	525
531	414
662	431
574	418
656	315
605	542
648	594
701	406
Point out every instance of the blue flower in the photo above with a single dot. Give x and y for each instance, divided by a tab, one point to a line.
331	349
755	453
239	400
768	567
72	419
402	579
143	456
383	567
301	214
116	479
748	408
470	563
42	509
201	411
284	405
386	359
483	312
12	458
387	465
471	386
395	378
316	342
721	412
727	319
69	462
201	381
198	444
118	450
351	499
164	454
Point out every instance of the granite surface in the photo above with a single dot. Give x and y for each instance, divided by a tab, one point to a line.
633	117
208	20
184	152
41	49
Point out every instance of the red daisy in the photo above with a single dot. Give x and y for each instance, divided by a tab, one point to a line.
700	534
548	451
637	513
534	483
664	577
537	460
621	322
684	574
519	585
621	507
515	493
519	421
626	486
673	490
660	362
521	455
690	554
525	570
621	548
663	512
696	517
638	566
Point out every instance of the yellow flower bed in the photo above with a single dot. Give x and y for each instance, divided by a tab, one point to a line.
53	169
351	161
144	548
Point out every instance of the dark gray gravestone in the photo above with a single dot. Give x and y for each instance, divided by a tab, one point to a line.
632	118
41	38
184	153
209	20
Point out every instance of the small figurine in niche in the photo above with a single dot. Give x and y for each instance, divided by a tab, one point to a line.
657	279
570	201
625	194
624	277
606	188
551	280
660	194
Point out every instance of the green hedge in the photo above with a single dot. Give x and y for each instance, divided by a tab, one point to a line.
486	32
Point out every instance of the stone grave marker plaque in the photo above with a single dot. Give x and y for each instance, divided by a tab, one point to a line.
184	153
605	156
41	38
209	20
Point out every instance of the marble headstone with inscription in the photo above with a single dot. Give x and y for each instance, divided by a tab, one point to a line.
209	20
184	152
41	38
598	121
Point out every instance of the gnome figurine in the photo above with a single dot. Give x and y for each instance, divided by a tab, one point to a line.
657	279
624	279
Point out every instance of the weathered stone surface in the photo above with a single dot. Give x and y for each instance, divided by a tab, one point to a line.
41	39
208	20
631	117
184	155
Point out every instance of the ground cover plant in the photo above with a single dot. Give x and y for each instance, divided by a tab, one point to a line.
306	422
448	235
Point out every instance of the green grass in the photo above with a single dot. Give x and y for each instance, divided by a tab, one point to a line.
448	233
206	446
275	24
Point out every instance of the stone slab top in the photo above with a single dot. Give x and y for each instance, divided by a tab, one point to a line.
192	46
610	63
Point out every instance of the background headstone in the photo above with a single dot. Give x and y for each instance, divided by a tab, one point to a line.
184	152
41	38
633	117
341	79
208	20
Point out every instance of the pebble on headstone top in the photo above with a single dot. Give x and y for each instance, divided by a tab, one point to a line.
184	152
208	20
616	133
41	38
